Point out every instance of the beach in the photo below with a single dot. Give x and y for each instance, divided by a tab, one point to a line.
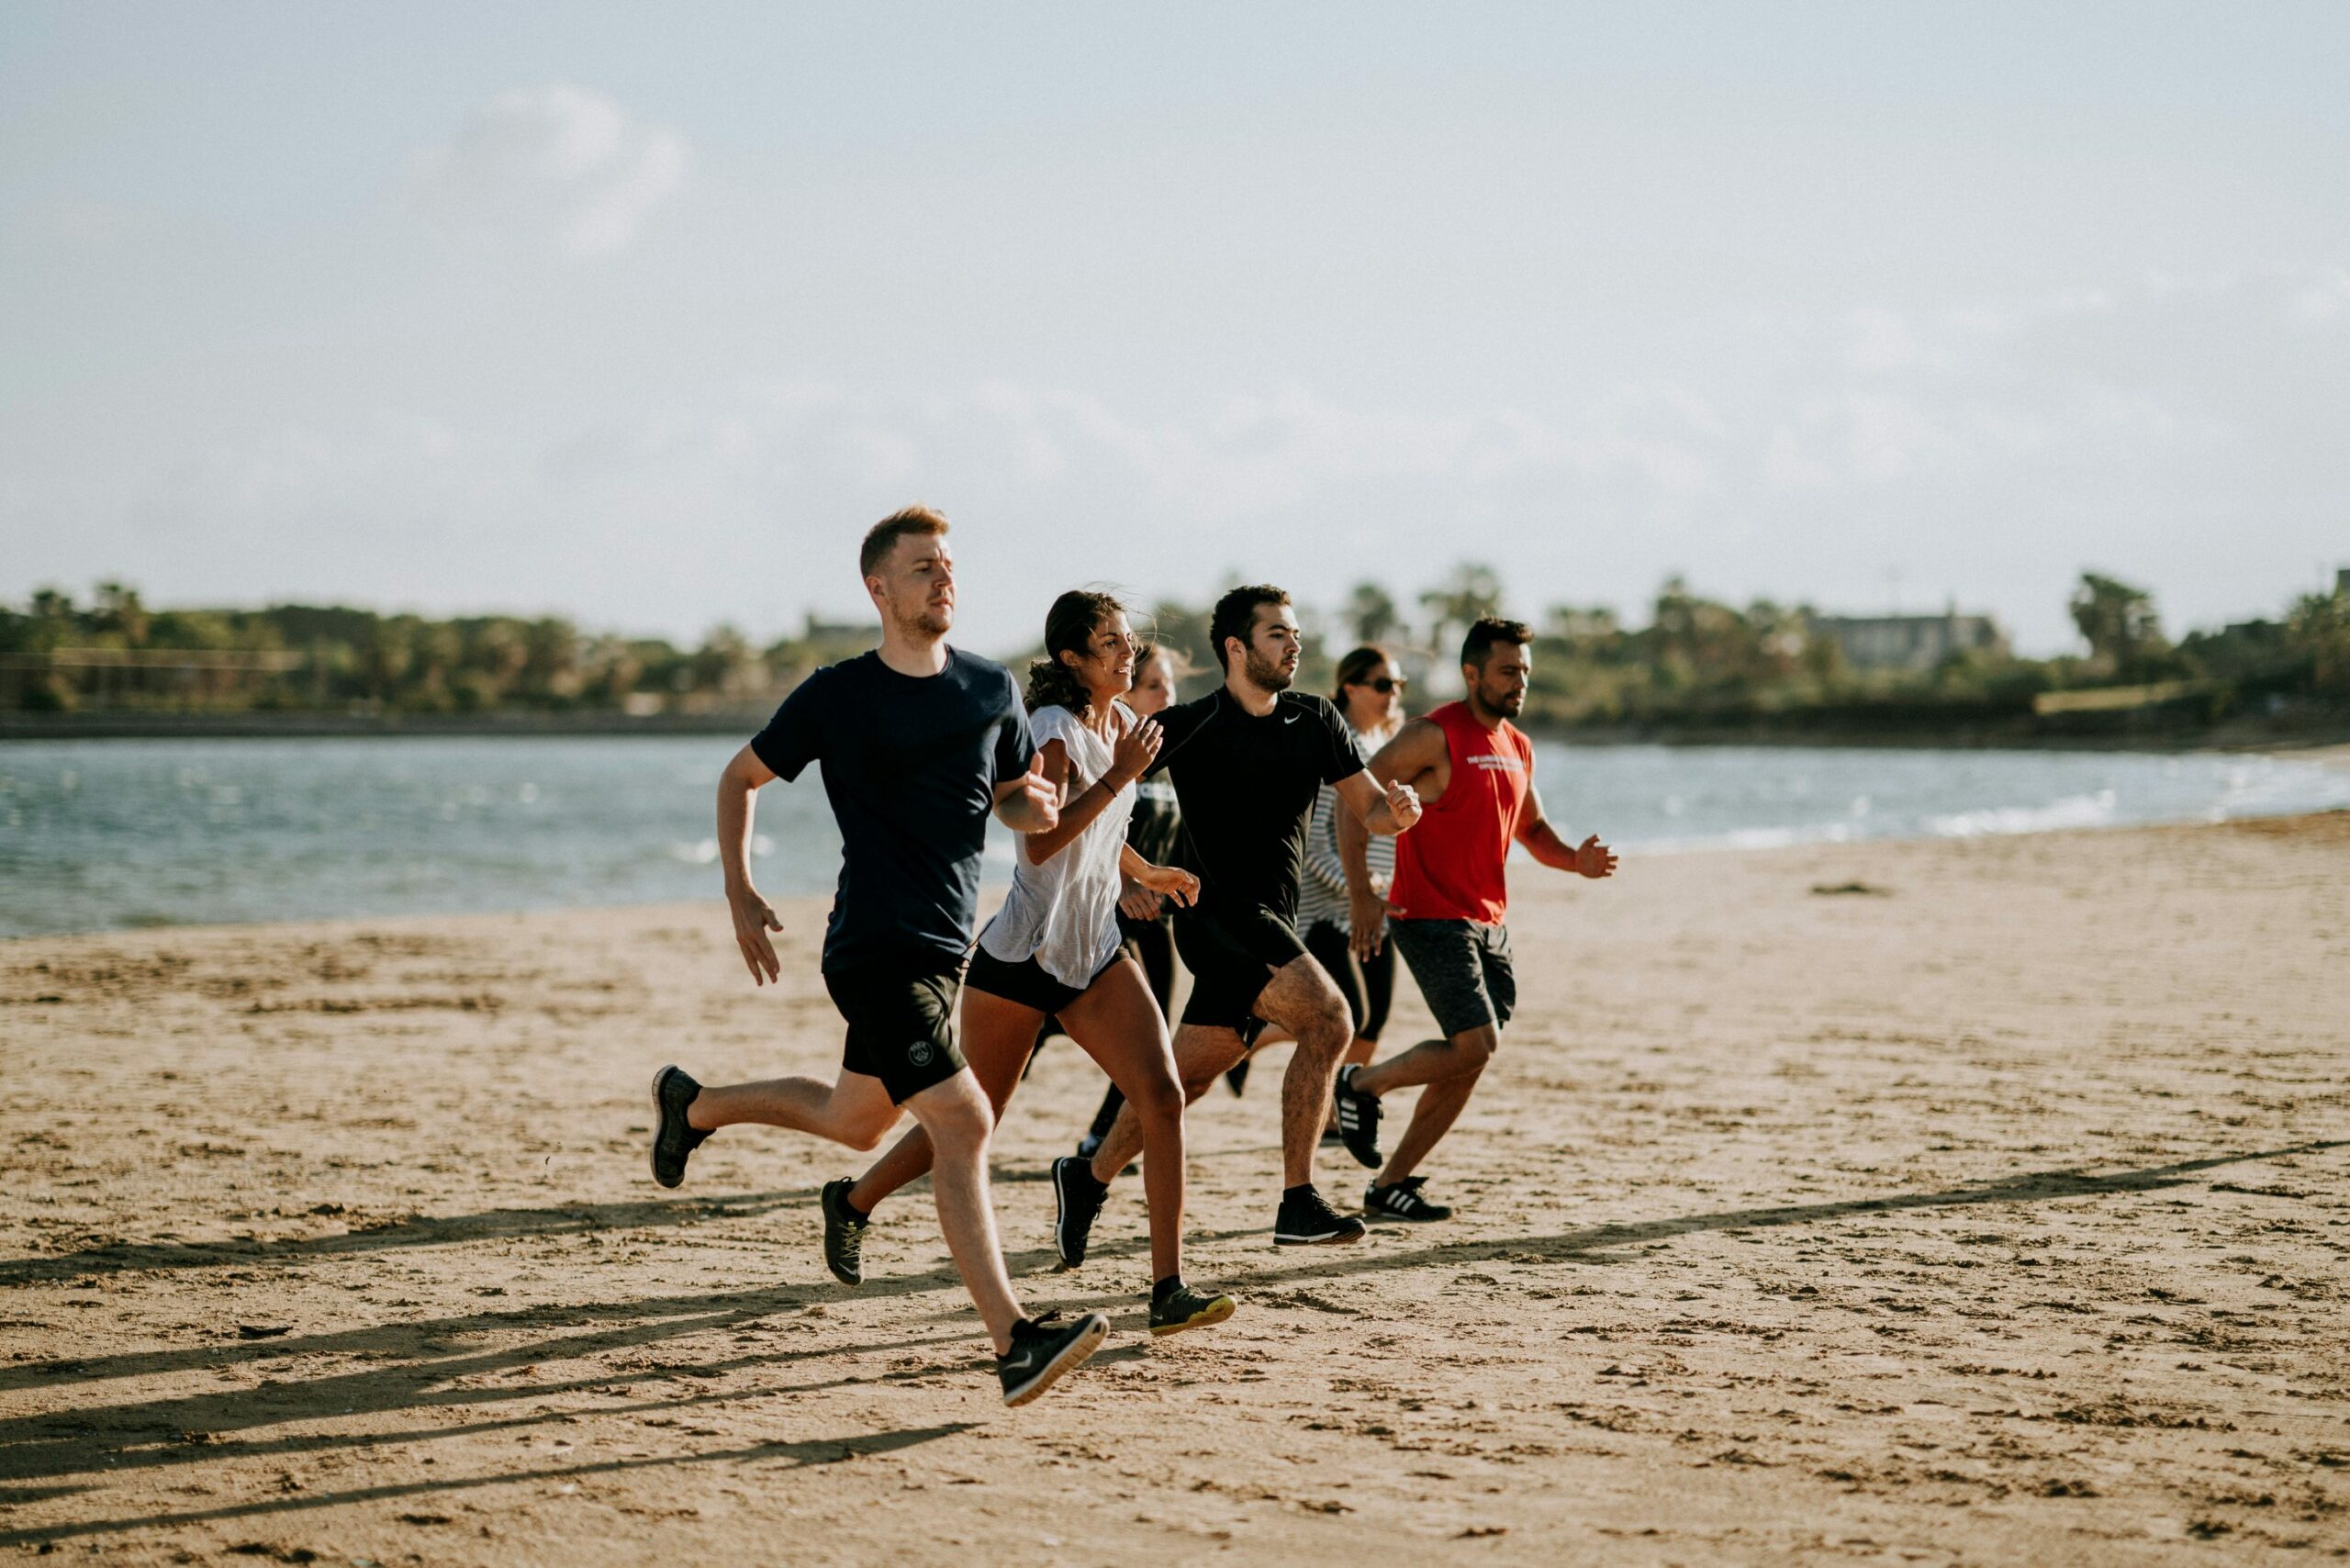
1972	1200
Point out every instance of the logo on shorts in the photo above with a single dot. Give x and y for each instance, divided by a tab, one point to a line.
919	1053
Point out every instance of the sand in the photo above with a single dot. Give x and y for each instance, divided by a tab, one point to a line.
1995	1212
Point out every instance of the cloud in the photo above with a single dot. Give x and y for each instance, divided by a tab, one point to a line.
553	165
1985	447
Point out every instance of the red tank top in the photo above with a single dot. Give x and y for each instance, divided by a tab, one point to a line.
1448	865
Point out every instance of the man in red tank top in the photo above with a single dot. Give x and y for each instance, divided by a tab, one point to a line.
1474	773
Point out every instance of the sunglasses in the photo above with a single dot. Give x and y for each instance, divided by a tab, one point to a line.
1384	686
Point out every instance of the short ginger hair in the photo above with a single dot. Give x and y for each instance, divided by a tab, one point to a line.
883	536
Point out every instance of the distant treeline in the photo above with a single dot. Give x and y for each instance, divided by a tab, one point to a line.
1698	664
117	652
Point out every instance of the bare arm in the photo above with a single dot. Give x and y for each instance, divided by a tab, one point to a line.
1129	759
1589	858
738	789
1030	803
1168	881
1386	812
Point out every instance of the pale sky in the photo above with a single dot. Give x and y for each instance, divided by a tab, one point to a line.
642	314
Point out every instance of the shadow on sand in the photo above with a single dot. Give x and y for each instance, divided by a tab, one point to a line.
428	1372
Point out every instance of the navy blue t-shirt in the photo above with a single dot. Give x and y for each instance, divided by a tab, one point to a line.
910	764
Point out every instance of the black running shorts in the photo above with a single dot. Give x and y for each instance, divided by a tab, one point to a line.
1026	982
1464	971
901	1014
1231	959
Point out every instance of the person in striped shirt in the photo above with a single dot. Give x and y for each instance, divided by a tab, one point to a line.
1369	691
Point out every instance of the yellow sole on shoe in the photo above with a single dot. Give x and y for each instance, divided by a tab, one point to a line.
1215	1312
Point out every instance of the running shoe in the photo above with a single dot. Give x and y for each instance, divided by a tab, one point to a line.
1306	1221
1185	1307
1358	1118
843	1233
1044	1349
673	1136
1235	1077
1077	1199
1401	1200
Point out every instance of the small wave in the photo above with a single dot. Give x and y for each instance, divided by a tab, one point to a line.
702	852
2073	811
1746	838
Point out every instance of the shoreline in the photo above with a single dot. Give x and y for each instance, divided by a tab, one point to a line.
993	889
2231	736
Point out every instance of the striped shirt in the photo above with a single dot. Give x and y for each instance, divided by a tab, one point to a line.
1322	890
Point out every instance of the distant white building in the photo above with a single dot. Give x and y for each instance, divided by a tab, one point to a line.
1908	642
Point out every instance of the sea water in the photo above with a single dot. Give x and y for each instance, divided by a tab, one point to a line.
106	835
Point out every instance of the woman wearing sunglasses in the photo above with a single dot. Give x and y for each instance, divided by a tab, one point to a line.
1370	694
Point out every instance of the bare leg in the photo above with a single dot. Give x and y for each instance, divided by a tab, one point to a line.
1119	1026
855	1111
1202	1054
1451	1070
1302	998
998	1037
957	1115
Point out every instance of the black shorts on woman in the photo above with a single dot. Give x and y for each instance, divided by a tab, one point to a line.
1027	983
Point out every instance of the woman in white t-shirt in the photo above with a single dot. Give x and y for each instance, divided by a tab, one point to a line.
1054	950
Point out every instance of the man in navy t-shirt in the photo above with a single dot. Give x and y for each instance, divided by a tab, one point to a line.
918	744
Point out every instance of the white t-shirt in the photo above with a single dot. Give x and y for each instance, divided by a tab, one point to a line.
1064	913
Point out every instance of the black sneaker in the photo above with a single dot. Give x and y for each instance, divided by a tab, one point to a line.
1185	1307
1042	1350
1235	1077
1401	1200
1358	1118
1077	1199
672	1137
843	1233
1306	1221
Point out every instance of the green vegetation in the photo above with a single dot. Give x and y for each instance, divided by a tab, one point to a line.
1703	667
1698	667
117	653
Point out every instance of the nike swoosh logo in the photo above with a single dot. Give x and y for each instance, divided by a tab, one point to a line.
1288	718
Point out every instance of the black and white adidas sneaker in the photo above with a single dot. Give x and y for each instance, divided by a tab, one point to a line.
1306	1220
1358	1118
1401	1200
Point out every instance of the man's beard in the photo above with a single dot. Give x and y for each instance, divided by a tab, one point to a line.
1265	675
928	621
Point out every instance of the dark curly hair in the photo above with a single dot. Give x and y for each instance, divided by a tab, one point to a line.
1235	615
1490	632
1069	626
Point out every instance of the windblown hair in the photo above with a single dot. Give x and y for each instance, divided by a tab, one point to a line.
1178	662
1353	669
1490	632
883	536
1235	615
1069	626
